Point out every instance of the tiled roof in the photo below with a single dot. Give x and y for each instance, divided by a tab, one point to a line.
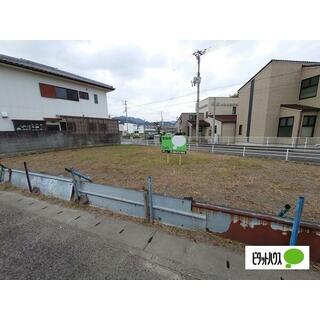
34	66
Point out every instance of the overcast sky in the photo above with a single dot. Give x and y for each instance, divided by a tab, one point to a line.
155	75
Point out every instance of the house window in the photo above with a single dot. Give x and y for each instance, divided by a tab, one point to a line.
95	98
72	95
240	129
192	117
285	127
50	91
234	110
308	124
309	88
61	93
84	95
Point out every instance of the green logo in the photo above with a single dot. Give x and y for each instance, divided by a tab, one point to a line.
293	256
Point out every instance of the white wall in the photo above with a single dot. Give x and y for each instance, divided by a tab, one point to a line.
224	105
131	128
20	97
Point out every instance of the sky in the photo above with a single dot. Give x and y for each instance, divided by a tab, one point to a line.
155	76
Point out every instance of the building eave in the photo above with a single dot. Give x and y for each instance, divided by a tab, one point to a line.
304	64
44	69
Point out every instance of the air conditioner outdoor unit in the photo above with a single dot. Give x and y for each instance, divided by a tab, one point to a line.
4	114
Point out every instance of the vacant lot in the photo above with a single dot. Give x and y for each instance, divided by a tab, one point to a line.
256	184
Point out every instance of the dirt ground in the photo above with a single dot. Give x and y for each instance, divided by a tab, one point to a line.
263	185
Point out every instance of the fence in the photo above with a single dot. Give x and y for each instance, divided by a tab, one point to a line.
245	226
292	142
305	155
281	153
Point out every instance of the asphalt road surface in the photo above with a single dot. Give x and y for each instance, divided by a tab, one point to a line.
39	240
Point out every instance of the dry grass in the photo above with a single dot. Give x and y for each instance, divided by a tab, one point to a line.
263	185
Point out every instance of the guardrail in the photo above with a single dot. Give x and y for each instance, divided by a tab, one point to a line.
58	187
142	204
245	226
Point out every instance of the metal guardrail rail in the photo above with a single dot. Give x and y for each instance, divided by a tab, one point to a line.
58	187
166	210
142	204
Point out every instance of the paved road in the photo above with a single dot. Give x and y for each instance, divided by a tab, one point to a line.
39	240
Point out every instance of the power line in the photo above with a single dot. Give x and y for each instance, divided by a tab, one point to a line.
182	96
209	89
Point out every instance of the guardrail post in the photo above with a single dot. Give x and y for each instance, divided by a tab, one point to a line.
149	192
146	205
27	174
267	141
228	140
76	176
293	140
212	148
1	174
306	142
2	171
244	152
296	222
287	155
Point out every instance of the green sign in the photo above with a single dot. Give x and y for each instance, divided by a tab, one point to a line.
173	144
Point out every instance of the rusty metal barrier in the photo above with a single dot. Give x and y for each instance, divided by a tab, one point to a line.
241	225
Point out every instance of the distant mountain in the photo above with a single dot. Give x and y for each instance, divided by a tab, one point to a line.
139	121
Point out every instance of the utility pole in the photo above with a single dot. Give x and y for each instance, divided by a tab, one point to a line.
213	119
161	120
126	112
196	81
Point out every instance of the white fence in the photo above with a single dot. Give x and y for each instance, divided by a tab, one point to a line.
311	155
293	142
292	154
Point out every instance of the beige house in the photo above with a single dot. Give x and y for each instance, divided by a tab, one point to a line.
222	111
186	124
280	104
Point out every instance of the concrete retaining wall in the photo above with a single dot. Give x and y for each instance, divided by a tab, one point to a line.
13	142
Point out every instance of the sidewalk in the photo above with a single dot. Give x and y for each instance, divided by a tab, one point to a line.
40	240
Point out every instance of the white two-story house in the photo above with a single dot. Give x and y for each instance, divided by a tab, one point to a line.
36	97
